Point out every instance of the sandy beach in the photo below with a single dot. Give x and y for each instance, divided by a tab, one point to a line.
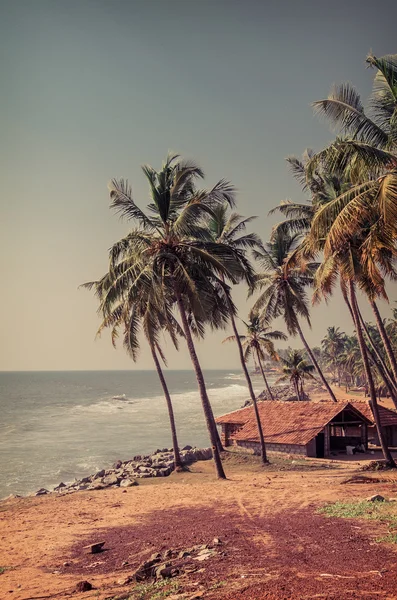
273	544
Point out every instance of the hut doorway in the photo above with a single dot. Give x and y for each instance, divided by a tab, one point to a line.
320	445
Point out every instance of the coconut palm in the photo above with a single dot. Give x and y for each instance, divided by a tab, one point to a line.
332	345
348	267
230	229
258	341
284	289
130	313
173	246
296	370
377	248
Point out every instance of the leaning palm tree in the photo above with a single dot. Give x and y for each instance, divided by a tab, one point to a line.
230	229
173	246
284	292
296	370
346	264
259	341
130	313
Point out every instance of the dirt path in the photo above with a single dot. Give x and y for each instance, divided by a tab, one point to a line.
274	545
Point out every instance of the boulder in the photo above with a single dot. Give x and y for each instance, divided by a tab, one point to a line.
117	464
41	492
376	498
84	586
110	480
127	483
59	487
99	474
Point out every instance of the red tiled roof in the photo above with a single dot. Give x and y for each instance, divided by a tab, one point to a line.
285	422
387	416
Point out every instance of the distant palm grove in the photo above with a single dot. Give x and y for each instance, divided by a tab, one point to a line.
175	270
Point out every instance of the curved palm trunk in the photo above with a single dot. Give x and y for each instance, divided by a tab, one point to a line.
269	391
177	457
372	392
250	388
315	363
209	416
385	339
375	356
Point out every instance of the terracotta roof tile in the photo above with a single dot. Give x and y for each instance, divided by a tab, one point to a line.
285	422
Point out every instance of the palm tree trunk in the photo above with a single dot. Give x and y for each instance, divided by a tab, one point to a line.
177	456
269	391
385	340
296	386
372	392
250	388
209	416
315	363
374	354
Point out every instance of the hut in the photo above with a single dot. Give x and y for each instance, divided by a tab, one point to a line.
388	420
314	429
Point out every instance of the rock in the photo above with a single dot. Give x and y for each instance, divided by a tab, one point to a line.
376	498
41	492
165	572
117	464
110	480
94	548
96	486
66	564
99	474
183	554
155	557
84	586
216	542
59	487
187	447
127	483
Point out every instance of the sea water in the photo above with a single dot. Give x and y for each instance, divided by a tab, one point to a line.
56	426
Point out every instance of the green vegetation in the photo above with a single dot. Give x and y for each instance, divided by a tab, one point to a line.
384	512
173	272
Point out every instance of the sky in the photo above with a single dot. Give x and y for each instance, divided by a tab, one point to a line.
93	89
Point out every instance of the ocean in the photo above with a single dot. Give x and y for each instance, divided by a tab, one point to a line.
56	426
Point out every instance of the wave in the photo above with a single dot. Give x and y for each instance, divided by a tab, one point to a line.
112	405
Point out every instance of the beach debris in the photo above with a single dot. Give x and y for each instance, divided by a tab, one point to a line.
94	548
84	586
376	498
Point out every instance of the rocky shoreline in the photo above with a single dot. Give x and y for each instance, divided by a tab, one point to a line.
124	474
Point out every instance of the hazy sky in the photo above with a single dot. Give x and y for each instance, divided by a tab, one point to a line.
91	89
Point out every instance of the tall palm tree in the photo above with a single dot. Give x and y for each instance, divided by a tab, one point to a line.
348	267
296	370
230	229
259	341
332	345
377	247
129	313
173	245
284	288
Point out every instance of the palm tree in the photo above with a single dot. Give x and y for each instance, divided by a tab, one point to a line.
258	341
284	289
173	246
128	313
348	267
296	370
230	230
332	345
